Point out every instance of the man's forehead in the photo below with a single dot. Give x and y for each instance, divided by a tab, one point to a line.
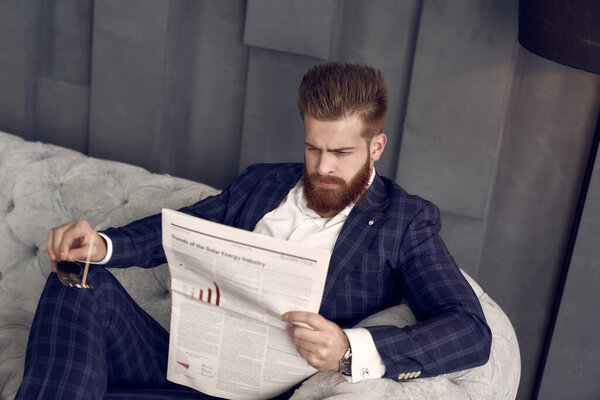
334	134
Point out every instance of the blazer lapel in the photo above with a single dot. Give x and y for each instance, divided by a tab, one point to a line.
268	194
358	231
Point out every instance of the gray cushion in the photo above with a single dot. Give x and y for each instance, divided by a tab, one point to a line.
498	379
43	186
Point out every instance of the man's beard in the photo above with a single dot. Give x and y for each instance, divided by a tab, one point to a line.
331	201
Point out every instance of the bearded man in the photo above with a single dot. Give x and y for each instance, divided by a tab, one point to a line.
385	248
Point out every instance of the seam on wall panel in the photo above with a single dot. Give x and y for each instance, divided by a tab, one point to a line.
336	31
499	137
163	147
34	26
91	65
411	51
243	108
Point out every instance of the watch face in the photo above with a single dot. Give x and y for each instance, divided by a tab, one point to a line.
347	367
346	364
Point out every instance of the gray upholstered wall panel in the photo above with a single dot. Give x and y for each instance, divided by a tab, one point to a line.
13	54
65	121
549	121
383	33
127	80
572	369
206	72
301	27
273	131
464	238
460	83
61	97
168	86
66	36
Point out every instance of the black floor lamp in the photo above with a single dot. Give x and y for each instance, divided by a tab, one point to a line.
567	32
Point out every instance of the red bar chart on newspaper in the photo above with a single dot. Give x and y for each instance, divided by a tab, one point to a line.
210	294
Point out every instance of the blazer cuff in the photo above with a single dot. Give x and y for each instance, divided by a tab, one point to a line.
366	361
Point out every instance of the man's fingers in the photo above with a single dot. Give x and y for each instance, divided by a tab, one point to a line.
323	345
49	247
314	320
310	347
312	359
75	241
50	250
303	336
311	352
53	243
317	355
70	242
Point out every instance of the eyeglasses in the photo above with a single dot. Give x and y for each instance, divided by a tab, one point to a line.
72	274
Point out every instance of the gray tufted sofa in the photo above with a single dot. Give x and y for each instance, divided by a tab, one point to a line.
42	186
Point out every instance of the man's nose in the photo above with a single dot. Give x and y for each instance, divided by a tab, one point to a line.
326	164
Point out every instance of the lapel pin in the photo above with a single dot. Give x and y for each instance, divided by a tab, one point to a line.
371	222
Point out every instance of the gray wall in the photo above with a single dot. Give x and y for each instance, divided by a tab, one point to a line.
497	137
575	348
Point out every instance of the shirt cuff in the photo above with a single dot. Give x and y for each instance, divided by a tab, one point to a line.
366	361
109	250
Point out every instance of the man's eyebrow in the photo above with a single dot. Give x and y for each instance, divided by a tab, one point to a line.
336	149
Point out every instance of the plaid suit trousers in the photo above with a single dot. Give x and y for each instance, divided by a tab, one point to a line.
95	344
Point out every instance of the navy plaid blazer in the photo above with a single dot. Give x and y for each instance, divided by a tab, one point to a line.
389	249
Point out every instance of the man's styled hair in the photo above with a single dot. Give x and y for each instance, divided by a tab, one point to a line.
333	91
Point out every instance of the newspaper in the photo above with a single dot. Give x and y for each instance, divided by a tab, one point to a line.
230	288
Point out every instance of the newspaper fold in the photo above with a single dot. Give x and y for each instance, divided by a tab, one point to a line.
230	288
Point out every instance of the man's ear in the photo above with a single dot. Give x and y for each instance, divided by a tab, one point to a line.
377	145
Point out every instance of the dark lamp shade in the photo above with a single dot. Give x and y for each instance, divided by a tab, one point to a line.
564	31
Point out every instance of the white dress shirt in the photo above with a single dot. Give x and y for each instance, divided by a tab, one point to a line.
292	220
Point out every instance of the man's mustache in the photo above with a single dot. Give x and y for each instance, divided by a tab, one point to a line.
316	177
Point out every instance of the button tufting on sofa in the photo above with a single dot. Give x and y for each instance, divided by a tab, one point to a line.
41	250
49	194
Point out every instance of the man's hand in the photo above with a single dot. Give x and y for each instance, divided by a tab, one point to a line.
323	346
70	242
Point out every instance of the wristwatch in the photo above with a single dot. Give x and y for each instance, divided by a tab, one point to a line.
346	363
